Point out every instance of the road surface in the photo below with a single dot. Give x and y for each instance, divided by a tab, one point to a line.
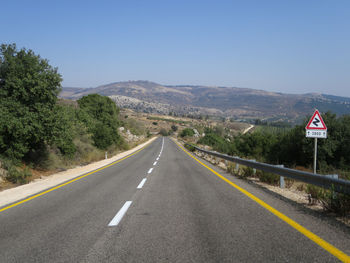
161	205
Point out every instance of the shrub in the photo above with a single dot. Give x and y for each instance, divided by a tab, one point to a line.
187	132
269	178
163	132
231	168
218	143
331	201
247	172
190	147
15	174
336	202
135	127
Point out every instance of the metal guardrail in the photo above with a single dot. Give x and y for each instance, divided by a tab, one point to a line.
338	185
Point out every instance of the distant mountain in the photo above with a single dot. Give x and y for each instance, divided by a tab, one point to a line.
237	103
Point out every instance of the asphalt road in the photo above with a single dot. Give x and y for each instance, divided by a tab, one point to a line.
182	212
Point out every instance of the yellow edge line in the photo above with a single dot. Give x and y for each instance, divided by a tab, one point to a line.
70	181
319	241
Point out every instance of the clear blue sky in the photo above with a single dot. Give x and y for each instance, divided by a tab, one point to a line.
286	46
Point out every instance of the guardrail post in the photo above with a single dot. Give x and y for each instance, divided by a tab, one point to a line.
237	167
105	155
282	183
254	170
334	176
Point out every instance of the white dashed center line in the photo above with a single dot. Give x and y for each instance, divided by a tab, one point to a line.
118	217
142	183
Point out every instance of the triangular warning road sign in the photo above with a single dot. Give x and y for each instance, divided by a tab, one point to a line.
316	122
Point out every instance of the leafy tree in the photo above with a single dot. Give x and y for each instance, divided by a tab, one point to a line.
100	114
65	129
342	154
174	128
257	145
28	92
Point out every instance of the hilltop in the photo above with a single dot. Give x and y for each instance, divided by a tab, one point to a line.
232	102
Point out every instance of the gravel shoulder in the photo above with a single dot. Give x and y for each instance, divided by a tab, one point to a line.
18	193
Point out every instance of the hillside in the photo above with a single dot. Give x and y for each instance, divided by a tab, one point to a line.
236	103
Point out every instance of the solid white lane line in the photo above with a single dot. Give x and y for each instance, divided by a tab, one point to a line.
150	171
154	163
118	217
142	183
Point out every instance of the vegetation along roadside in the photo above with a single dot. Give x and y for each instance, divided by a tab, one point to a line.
289	146
40	133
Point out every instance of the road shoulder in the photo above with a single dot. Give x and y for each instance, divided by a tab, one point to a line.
23	191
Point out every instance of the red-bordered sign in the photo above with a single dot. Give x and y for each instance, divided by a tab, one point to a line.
316	122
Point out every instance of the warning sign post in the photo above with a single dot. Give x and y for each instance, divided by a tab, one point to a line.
316	128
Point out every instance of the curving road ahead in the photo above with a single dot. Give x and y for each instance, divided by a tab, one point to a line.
161	205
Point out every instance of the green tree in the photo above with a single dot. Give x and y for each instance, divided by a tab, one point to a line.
100	114
64	129
28	92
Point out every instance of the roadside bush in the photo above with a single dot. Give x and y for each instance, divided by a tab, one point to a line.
218	143
231	168
247	172
163	132
86	151
331	201
336	202
269	178
15	174
190	147
134	126
53	160
315	191
187	132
